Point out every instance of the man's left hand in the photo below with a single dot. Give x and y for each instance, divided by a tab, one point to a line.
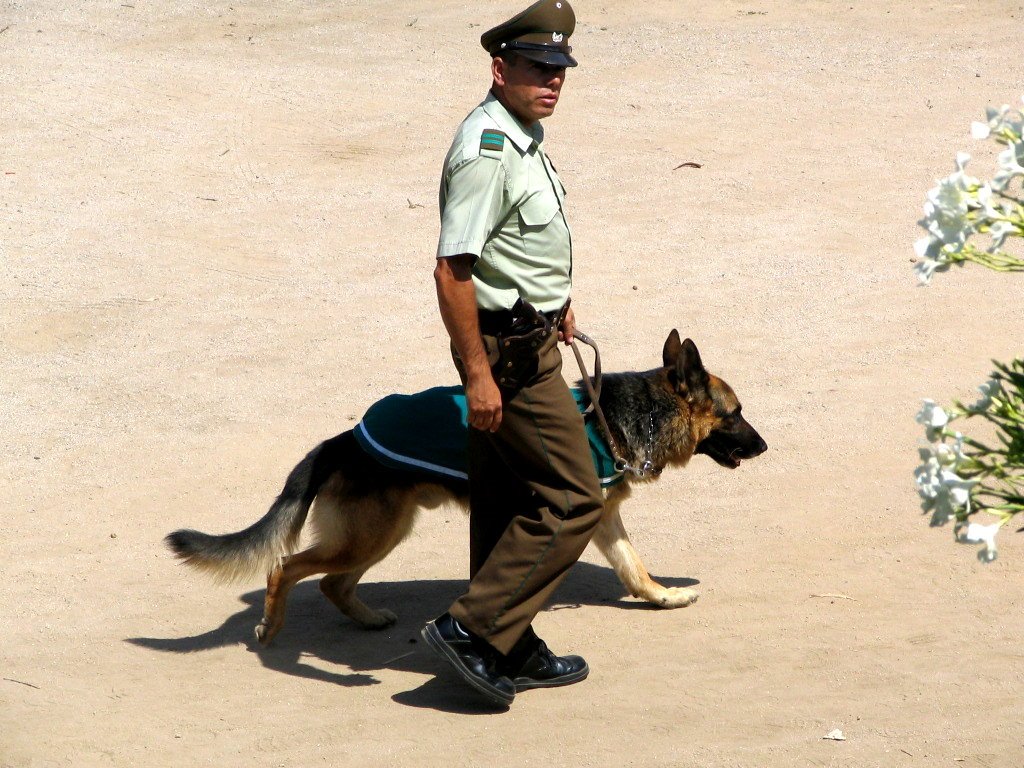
567	330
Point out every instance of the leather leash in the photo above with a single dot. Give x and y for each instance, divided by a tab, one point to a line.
594	393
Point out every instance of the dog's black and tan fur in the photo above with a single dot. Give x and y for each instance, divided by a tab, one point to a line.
363	509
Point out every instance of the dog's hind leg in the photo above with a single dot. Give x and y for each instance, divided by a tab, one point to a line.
613	541
286	575
362	529
340	589
354	529
345	569
368	527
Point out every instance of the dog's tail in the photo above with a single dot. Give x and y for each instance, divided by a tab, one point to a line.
257	549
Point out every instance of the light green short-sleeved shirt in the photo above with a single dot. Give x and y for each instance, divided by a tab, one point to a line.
502	201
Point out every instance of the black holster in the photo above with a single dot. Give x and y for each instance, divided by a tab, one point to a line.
519	344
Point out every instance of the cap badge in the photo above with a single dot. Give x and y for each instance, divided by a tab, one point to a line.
556	37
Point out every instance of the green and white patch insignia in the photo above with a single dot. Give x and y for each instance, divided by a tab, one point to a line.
492	142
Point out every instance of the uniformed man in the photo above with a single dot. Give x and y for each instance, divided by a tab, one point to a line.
503	275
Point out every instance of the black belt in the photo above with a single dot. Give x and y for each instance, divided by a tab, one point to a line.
494	321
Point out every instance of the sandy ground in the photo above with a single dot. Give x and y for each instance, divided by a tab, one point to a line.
217	231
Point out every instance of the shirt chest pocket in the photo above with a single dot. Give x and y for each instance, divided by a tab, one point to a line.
537	210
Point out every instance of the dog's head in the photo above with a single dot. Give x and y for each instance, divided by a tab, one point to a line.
716	414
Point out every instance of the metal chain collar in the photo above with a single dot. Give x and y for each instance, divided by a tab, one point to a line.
647	465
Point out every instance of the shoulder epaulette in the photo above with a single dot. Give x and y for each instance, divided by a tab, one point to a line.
492	142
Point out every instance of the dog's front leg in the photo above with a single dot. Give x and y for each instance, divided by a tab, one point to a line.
613	541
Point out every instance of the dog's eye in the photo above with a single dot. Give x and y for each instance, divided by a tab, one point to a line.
729	420
734	416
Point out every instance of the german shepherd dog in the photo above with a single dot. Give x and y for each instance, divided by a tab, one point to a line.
364	509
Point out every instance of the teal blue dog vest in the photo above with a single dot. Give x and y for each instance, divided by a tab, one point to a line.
427	432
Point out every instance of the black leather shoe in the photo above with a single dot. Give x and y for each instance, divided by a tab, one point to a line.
474	664
542	669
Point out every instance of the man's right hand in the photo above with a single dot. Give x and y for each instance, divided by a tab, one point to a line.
483	400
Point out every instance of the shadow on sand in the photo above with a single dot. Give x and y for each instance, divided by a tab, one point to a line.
314	629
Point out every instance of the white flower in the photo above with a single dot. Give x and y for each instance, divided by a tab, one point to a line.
925	269
981	534
943	454
984	197
980	130
959	490
999	231
928	476
928	248
933	418
958	449
947	206
942	491
1000	122
1010	160
932	258
995	119
962	159
998	219
942	508
988	390
948	225
949	455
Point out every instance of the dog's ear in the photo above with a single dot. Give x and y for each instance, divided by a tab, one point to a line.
670	352
691	379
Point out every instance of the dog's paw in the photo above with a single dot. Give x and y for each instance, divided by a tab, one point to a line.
674	597
265	632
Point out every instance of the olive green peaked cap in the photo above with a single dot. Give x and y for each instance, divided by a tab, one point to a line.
540	33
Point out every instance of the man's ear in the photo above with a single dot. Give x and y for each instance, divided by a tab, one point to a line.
498	70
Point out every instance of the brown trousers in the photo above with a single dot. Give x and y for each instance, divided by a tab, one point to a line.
534	498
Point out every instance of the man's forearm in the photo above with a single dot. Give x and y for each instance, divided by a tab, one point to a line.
456	298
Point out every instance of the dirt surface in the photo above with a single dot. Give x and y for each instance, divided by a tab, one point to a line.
218	227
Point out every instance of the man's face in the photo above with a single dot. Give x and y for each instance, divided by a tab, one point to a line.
530	88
